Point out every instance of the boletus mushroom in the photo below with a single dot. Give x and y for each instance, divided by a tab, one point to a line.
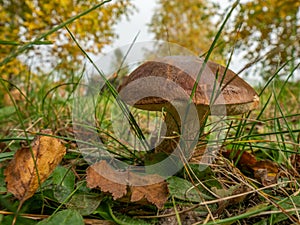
164	83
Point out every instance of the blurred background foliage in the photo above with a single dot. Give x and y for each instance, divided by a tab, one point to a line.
269	29
263	32
23	21
187	23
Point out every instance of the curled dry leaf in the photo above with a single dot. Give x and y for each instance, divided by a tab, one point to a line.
153	190
31	166
265	171
94	179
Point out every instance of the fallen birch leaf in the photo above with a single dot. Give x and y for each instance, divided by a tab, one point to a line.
21	174
153	190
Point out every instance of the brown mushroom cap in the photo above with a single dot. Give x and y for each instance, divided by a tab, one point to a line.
234	93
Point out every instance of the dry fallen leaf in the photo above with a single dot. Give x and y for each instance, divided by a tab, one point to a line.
245	159
119	185
266	172
21	173
155	191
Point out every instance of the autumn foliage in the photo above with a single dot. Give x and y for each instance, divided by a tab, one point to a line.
31	166
23	21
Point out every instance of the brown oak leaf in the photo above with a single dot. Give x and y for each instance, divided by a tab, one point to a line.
116	185
156	192
128	185
30	167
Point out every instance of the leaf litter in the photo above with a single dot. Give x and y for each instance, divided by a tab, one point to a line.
265	171
153	190
31	166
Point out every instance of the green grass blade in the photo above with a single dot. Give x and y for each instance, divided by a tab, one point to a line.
115	94
16	43
204	65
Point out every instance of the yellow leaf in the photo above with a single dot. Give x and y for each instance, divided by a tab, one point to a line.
31	167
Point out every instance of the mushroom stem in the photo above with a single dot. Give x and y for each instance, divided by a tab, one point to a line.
176	130
172	135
